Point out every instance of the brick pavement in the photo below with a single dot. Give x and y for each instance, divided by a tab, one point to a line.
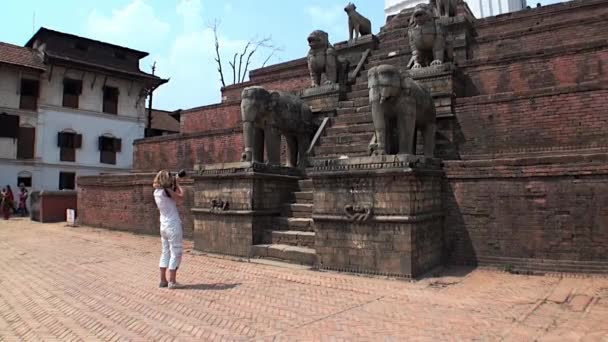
61	283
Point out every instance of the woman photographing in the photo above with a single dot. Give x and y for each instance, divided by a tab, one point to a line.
166	191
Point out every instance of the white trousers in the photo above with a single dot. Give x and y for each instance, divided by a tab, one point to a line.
171	238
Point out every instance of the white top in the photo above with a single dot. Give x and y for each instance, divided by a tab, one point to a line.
169	215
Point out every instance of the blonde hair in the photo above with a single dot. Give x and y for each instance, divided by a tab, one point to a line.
163	180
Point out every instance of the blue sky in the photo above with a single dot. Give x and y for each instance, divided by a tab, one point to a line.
177	36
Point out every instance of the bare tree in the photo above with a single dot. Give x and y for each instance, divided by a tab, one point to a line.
241	61
218	58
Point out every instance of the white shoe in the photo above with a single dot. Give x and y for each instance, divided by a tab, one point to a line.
174	285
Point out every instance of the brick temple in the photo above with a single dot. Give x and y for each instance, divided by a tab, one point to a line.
522	138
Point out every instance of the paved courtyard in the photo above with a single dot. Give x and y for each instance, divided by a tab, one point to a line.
62	283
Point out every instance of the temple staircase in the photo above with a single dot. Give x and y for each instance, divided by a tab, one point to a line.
291	237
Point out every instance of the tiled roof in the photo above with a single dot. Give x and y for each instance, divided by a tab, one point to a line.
20	56
163	121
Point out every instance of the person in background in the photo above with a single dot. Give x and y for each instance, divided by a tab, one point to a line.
5	204
11	197
23	200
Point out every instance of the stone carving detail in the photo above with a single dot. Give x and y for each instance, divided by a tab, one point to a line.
357	24
445	8
269	114
219	205
358	212
426	37
322	59
400	107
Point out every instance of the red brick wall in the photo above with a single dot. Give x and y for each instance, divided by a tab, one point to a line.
126	202
214	117
213	134
571	119
183	151
550	208
563	66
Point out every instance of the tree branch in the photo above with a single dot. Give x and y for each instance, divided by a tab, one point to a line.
264	42
244	57
241	59
233	66
276	49
218	58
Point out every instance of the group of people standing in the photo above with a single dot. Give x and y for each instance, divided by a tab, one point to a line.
7	201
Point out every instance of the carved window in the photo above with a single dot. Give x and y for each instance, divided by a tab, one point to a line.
68	142
110	100
29	94
71	92
9	126
108	147
26	143
67	180
24	178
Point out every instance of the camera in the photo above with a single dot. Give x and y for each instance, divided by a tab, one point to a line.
179	174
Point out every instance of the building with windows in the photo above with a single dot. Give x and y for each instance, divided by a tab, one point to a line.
69	106
480	8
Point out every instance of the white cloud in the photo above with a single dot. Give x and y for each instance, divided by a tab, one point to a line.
190	12
135	25
185	55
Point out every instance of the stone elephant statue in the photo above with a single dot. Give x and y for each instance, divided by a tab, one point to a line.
400	107
269	114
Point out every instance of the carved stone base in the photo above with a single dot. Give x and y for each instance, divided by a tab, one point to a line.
445	82
235	202
324	98
378	215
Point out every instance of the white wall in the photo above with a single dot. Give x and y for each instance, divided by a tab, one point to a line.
91	125
91	99
10	84
392	7
480	8
52	117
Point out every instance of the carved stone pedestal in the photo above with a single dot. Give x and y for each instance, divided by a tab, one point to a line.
324	99
445	82
235	202
378	215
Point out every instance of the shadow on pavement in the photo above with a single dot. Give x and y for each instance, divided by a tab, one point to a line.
208	286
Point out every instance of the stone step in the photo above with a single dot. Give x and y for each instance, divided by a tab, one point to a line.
357	94
303	196
346	104
305	184
302	224
349	129
352	119
339	150
293	238
336	156
353	110
359	138
361	85
303	210
293	254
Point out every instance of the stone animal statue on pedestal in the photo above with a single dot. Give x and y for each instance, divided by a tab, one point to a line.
400	107
269	114
322	59
445	8
427	38
357	24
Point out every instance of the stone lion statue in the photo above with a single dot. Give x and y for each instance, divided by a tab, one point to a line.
322	59
427	38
